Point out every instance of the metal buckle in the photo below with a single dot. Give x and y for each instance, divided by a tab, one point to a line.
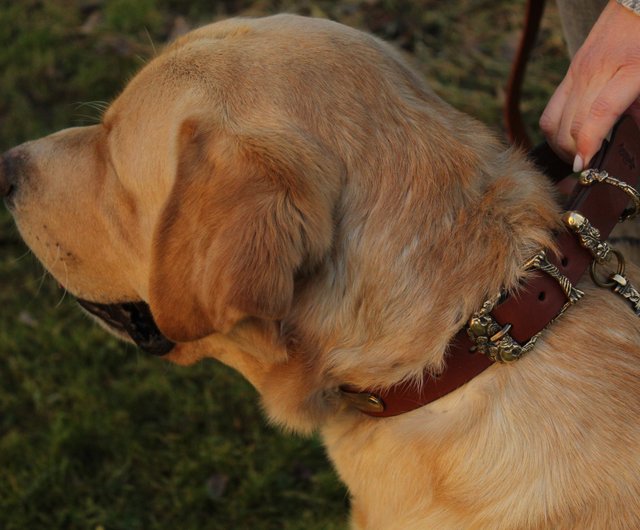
493	339
589	176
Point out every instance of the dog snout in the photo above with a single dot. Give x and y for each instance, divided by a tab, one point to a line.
11	169
5	185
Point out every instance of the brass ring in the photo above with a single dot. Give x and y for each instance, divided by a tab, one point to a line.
608	283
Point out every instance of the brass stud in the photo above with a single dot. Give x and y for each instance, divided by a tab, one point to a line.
364	401
574	219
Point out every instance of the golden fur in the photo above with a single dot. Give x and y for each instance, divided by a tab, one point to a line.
291	199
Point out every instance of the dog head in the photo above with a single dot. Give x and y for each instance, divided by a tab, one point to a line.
280	189
204	192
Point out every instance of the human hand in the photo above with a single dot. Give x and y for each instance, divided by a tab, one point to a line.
603	81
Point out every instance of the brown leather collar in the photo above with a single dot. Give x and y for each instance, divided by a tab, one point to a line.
540	301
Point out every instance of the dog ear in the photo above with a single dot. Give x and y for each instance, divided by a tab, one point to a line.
246	213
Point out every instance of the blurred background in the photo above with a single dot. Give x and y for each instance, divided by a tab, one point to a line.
93	433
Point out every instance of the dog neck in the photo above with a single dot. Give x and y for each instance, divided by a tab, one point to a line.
505	328
385	304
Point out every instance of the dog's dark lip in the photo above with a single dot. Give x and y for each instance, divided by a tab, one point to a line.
133	319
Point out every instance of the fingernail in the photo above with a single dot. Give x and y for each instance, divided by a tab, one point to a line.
578	164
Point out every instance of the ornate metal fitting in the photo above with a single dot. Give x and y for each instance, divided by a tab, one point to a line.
542	263
589	236
589	176
608	281
624	288
601	251
492	339
618	282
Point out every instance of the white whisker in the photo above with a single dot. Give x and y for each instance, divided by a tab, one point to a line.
153	46
45	273
20	258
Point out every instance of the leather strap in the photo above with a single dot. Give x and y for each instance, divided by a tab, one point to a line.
541	299
514	124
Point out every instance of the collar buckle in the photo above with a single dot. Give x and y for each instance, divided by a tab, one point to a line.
493	340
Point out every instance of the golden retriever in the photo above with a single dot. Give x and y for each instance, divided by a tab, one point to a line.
288	197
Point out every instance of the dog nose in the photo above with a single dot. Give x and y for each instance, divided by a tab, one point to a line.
5	187
10	163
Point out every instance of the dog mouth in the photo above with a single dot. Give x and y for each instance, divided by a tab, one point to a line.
131	319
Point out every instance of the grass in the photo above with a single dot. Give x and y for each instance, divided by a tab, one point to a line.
96	435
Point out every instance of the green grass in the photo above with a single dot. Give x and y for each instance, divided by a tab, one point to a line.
93	433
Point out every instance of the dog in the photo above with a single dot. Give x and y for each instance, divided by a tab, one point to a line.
286	195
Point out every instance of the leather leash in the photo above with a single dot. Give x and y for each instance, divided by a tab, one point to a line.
514	124
540	301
